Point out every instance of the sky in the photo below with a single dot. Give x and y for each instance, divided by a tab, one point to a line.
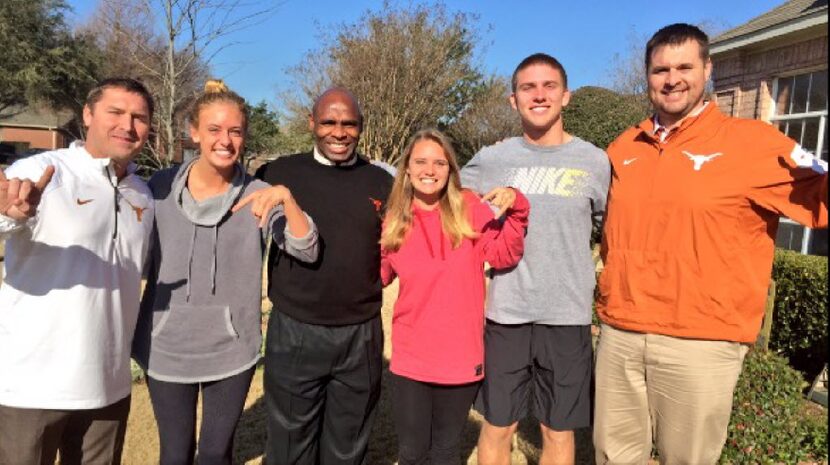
584	36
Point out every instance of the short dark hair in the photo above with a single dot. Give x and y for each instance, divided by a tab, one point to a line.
128	84
677	34
539	59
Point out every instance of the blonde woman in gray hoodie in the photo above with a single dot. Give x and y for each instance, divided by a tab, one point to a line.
199	328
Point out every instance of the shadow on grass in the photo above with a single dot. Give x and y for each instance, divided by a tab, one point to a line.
249	442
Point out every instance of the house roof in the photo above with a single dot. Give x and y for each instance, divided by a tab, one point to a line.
788	17
37	117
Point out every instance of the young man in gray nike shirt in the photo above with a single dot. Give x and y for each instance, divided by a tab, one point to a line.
538	339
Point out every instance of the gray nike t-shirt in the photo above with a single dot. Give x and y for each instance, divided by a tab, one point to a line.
567	186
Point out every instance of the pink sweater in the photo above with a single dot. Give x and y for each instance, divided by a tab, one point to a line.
438	322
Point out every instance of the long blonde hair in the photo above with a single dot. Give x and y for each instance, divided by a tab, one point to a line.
398	219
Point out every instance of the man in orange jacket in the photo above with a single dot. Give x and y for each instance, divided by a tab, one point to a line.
693	210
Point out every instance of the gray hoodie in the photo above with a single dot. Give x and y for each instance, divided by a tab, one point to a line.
200	315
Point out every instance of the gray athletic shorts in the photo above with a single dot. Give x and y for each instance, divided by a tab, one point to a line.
548	367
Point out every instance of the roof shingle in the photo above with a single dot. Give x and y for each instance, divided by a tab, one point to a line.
793	9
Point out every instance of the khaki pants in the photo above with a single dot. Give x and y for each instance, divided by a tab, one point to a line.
675	392
34	436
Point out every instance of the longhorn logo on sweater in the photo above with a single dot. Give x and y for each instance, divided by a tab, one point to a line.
377	203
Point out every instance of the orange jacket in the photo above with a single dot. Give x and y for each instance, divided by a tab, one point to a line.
689	235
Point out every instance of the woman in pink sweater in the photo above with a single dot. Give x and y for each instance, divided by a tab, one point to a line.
436	238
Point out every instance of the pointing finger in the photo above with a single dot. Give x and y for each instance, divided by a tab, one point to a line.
263	220
245	201
491	195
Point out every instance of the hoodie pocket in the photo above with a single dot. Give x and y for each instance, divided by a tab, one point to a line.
195	330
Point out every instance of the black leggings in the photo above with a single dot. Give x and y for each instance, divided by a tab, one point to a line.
175	407
429	419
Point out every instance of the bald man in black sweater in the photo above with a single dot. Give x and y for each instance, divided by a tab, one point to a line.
324	343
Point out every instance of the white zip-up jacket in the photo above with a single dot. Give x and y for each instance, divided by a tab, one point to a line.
72	279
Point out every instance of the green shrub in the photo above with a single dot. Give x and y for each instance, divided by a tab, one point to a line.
799	330
815	435
767	424
599	115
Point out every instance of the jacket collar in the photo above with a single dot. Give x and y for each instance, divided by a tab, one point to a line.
691	124
80	152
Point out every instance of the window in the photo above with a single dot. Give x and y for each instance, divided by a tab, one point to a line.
14	146
801	113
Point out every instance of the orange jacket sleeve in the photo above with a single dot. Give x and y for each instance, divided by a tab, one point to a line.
787	179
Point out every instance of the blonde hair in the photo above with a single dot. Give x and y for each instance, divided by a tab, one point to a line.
217	91
398	218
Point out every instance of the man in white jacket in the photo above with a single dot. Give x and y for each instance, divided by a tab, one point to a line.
77	223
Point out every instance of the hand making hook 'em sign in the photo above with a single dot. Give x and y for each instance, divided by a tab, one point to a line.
19	198
502	198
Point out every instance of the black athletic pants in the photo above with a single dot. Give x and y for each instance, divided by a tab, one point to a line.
174	405
322	384
429	420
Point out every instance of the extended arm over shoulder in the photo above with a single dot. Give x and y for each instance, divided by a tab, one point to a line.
787	179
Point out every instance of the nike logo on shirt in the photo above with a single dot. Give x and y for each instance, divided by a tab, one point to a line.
83	202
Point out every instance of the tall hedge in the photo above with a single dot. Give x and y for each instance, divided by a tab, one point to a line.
799	330
599	115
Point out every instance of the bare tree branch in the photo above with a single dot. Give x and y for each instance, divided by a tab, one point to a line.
169	44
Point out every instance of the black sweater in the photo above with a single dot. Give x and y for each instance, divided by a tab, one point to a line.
346	203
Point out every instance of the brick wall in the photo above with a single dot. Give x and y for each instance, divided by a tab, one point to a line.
37	138
748	76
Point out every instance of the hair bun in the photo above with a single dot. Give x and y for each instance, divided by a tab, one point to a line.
215	86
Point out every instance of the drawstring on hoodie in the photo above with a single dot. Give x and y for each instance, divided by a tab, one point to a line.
212	264
190	262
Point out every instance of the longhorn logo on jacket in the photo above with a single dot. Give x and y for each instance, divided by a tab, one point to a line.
699	160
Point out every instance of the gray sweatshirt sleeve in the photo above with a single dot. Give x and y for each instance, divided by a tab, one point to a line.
471	173
303	248
599	194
